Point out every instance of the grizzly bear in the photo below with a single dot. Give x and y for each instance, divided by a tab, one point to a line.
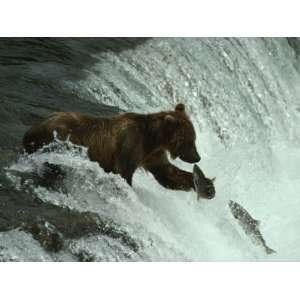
126	142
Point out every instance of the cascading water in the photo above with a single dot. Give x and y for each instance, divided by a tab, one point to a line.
242	96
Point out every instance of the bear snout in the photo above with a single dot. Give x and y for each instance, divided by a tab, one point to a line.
198	158
195	157
191	157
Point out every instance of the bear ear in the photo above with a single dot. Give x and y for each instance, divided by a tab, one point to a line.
180	107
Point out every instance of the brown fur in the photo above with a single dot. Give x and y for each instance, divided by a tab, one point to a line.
128	141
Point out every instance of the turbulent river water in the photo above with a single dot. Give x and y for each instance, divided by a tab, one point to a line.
242	95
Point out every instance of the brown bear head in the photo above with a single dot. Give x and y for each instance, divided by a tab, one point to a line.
180	135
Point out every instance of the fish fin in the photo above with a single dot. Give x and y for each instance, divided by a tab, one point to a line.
270	251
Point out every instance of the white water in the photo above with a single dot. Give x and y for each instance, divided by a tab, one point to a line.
242	95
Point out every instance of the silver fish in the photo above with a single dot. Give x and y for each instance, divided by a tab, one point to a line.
204	186
249	225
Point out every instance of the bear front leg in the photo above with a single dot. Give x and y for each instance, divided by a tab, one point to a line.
167	174
126	166
127	174
173	178
128	161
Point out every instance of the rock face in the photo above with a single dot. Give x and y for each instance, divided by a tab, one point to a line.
31	70
47	234
51	224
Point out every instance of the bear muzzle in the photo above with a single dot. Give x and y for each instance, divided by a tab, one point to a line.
192	157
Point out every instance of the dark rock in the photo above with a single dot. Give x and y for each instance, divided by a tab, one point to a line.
47	234
84	256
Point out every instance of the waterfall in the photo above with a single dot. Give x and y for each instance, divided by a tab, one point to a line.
242	96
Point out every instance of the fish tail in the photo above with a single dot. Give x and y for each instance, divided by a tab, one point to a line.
270	251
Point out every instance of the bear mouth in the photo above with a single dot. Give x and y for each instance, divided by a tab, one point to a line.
189	159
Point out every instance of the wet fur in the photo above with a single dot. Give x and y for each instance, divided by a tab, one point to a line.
126	142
